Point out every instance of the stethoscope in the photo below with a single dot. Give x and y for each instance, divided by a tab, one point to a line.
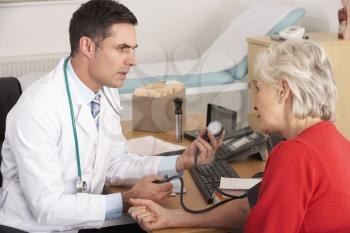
81	184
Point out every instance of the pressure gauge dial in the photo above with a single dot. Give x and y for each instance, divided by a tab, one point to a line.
215	128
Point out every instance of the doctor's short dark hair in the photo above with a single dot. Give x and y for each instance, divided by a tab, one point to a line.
94	19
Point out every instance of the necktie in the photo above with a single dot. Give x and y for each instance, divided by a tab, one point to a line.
95	108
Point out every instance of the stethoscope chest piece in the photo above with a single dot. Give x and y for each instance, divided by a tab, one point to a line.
81	186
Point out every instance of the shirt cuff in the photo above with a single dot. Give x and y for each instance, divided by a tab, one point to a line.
167	166
114	206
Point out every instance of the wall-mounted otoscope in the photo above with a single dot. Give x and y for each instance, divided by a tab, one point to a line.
178	119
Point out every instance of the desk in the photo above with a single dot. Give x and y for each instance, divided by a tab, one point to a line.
192	197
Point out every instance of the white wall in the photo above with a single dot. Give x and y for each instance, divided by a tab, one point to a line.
40	28
174	29
321	15
168	29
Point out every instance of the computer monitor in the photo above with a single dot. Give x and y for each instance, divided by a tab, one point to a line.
226	116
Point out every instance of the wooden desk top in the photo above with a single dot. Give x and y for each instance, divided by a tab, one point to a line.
192	198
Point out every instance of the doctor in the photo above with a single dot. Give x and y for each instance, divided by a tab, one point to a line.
64	139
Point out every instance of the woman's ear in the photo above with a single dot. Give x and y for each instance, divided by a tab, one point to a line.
87	46
284	91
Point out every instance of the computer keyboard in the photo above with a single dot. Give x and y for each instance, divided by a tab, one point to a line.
207	178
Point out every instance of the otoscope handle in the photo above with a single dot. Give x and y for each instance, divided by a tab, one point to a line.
178	119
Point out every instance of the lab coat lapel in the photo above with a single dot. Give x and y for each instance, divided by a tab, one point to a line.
86	121
109	134
102	155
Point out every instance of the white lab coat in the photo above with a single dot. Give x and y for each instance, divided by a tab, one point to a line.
39	161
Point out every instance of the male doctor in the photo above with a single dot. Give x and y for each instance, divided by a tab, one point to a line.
63	138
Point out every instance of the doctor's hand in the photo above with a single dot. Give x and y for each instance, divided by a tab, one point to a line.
151	216
200	148
146	189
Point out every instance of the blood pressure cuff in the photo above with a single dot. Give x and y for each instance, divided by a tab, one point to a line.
253	195
254	192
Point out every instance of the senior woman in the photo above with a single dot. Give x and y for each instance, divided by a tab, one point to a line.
306	184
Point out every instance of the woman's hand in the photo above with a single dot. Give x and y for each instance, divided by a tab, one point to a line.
151	216
199	152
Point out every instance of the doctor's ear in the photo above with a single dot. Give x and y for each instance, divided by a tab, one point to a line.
283	91
87	46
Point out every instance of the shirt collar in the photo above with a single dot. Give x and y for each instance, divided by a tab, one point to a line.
86	93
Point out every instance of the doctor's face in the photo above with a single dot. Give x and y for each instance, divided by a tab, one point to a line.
115	56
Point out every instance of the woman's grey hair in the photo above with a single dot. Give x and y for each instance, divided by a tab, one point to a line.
308	72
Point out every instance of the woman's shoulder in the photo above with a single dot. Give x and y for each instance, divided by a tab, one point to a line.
290	150
307	141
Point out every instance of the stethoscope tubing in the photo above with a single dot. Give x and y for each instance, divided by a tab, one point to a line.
77	154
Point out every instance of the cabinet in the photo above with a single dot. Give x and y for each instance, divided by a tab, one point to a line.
338	51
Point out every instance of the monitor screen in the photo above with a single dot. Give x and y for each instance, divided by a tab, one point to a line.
226	116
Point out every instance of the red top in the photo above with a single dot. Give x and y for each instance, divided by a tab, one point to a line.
306	185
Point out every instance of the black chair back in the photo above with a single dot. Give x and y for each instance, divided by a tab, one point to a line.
10	90
6	229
